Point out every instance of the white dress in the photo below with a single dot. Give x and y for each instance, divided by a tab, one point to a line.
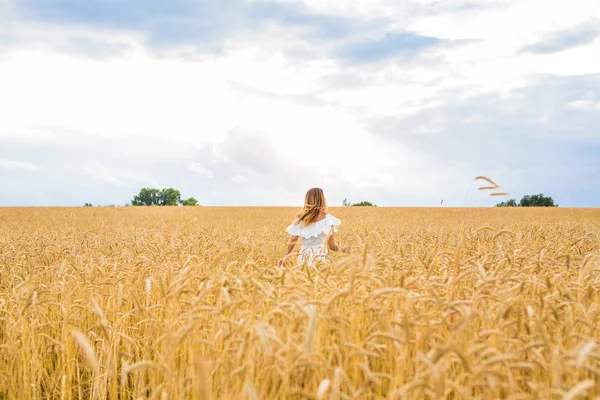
314	237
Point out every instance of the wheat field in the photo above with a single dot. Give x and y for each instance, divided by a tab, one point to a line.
188	303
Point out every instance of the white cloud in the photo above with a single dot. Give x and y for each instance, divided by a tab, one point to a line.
586	105
200	169
350	8
240	179
102	174
508	22
11	165
138	96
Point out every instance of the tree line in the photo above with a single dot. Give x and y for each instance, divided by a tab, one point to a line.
161	197
157	197
172	197
346	203
535	200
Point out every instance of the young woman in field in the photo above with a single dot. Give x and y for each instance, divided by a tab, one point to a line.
316	228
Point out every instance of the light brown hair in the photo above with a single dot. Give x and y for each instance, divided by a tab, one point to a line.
314	205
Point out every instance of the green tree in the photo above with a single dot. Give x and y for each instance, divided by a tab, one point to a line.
346	203
157	197
190	202
509	203
146	197
87	205
364	204
169	197
536	200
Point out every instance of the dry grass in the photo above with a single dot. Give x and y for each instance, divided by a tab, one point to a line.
169	303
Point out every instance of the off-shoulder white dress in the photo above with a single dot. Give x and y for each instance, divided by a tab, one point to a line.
314	237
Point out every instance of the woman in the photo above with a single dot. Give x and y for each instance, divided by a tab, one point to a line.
316	228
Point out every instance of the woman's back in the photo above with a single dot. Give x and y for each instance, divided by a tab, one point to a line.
314	237
316	229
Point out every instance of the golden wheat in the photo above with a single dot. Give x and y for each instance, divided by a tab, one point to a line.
174	303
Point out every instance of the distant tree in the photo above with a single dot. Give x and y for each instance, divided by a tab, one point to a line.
157	197
87	205
364	204
189	202
509	203
536	200
161	197
346	203
146	197
169	197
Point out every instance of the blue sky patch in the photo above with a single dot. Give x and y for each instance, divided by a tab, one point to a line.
399	44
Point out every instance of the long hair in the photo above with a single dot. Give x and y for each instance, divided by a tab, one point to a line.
314	205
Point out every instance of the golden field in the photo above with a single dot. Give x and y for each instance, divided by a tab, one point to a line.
177	303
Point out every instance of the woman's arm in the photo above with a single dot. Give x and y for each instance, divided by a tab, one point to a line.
334	247
290	248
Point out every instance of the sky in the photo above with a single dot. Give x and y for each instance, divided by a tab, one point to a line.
252	102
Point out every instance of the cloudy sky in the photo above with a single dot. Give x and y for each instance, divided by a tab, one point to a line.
252	102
